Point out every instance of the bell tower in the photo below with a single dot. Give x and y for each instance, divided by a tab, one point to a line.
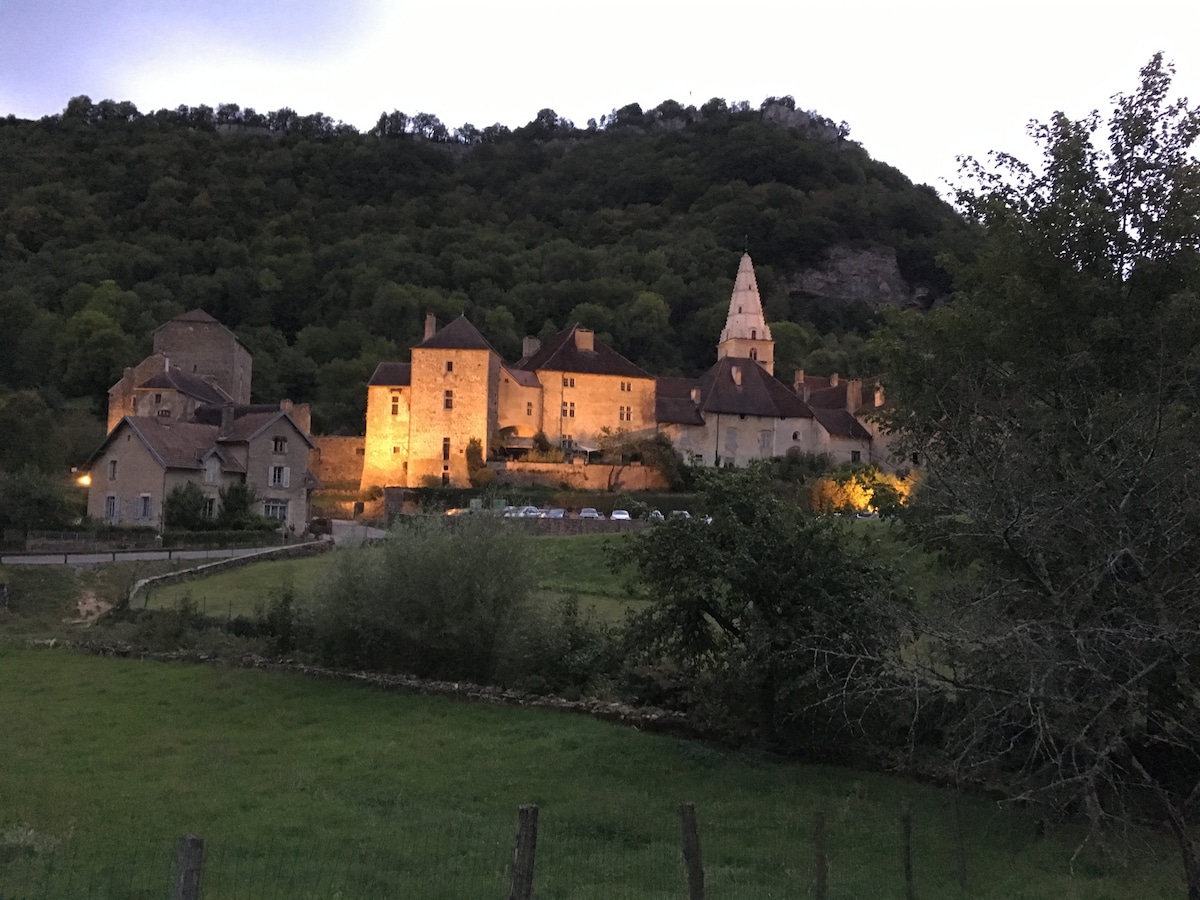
746	335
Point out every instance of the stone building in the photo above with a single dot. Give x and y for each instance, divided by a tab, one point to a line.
422	414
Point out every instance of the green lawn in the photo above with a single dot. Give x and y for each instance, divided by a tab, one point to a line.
313	789
560	567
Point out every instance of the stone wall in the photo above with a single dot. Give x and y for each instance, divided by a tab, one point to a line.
581	477
338	460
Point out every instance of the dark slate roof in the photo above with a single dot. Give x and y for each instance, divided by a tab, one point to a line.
248	421
196	315
176	445
561	355
523	377
673	401
458	335
186	383
392	374
841	423
759	394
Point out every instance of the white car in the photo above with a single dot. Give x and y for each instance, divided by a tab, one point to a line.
589	512
620	515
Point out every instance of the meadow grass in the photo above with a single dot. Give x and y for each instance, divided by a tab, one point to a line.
305	788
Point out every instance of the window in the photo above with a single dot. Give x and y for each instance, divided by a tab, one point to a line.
112	470
445	476
157	399
627	386
449	365
164	413
279	444
280	476
395	450
112	510
445	448
448	400
209	510
568	382
753	334
855	456
212	470
395	405
529	409
795	435
754	353
625	414
916	459
275	509
568	410
145	507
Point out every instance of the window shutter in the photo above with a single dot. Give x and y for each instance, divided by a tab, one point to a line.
287	476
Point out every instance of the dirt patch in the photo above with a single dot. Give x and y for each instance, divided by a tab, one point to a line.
89	608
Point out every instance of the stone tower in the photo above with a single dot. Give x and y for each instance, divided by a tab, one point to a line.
746	335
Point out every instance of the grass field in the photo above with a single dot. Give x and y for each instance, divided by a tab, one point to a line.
559	567
306	789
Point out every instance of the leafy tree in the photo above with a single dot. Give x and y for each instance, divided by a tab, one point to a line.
33	499
766	611
1054	404
183	507
236	508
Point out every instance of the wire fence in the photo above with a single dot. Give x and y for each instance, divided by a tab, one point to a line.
457	858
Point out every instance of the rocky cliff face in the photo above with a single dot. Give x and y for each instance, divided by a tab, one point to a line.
860	275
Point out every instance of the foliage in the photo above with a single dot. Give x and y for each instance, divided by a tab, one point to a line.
654	451
477	471
860	488
183	507
440	601
236	507
31	499
323	248
763	611
1055	401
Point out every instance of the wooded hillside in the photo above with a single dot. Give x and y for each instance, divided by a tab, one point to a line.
323	247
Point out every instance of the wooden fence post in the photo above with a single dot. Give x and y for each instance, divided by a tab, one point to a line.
188	870
820	859
524	853
906	828
691	851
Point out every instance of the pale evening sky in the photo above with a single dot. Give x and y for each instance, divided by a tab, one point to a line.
918	84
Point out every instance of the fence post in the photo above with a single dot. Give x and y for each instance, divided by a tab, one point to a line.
691	851
524	852
820	858
960	845
906	828
188	869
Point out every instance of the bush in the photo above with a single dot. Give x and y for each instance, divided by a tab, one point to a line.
440	601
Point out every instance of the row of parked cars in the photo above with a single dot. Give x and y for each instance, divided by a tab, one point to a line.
588	512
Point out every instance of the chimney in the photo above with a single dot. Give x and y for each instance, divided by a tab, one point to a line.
833	380
878	395
853	395
301	414
430	325
585	339
799	385
529	346
736	372
226	417
166	364
696	395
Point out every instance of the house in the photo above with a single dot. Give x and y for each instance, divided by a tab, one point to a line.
145	457
421	415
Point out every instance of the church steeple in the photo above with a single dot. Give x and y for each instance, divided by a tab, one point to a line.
746	334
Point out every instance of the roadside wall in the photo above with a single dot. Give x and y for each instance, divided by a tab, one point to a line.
582	477
338	460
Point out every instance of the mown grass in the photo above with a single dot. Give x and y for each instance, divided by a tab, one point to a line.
315	789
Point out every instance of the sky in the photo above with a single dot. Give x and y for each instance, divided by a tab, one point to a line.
919	84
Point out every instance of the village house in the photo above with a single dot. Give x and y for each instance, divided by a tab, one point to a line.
422	415
184	414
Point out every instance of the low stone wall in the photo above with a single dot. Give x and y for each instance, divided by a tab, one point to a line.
311	548
581	477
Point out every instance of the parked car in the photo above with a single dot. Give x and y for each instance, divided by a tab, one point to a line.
554	513
655	516
680	514
590	512
621	515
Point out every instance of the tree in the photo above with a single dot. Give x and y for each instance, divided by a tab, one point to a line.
767	612
1054	404
33	499
236	509
183	507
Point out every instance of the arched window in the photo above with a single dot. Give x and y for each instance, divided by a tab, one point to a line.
753	334
754	353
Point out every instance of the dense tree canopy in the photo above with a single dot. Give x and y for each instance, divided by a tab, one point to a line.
1055	401
323	248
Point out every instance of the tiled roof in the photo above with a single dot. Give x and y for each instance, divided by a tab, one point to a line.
759	394
392	374
458	335
841	423
673	402
523	377
828	397
176	445
248	421
561	354
196	315
186	383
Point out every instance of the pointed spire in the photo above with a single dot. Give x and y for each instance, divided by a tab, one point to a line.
746	334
